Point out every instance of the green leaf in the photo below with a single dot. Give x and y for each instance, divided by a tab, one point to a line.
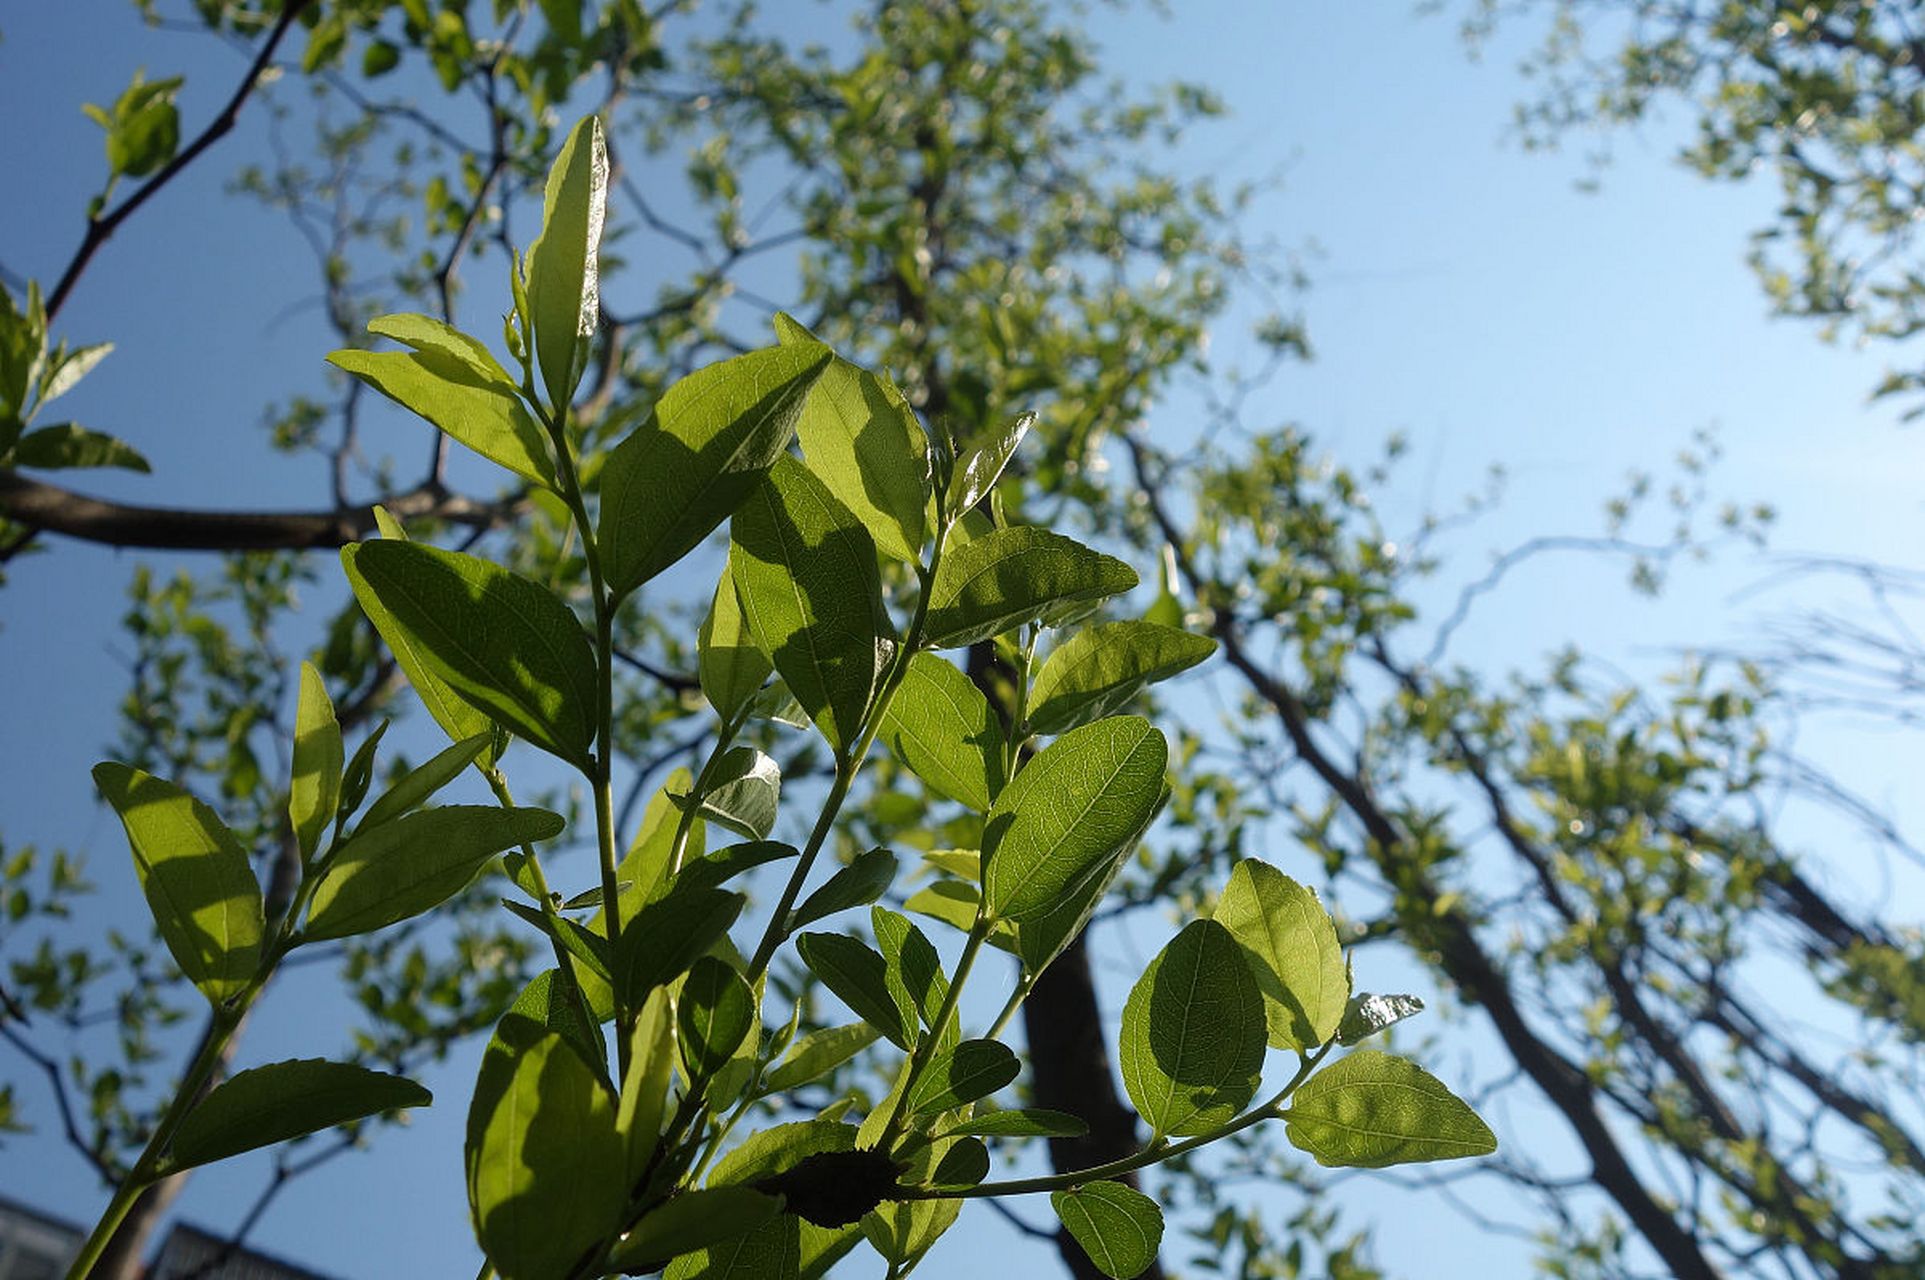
1043	937
548	1002
744	794
858	977
564	270
1097	671
420	784
866	878
1021	1122
978	469
914	970
1291	947
723	865
973	1069
1366	1015
1008	577
143	133
1370	1110
1065	817
940	725
1192	1042
1118	1226
715	1012
284	1100
500	641
965	1164
379	58
860	435
816	1055
643	1104
806	571
545	1163
199	886
703	449
360	770
315	792
693	1220
732	666
415	863
645	865
667	936
67	368
444	384
70	445
950	901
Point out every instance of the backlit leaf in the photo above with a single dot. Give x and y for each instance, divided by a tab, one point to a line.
284	1100
460	399
744	793
806	572
978	469
564	267
68	445
315	790
940	725
1191	1049
732	666
1065	817
415	863
715	1012
703	449
1370	1110
856	974
866	878
422	782
1097	671
1008	577
973	1069
1291	947
199	886
1118	1226
500	641
860	435
1366	1015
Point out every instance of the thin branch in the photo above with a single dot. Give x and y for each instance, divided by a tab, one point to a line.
101	229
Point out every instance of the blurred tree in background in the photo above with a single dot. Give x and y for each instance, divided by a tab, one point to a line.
1590	870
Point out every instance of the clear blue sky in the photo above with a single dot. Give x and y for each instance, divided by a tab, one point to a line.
1463	292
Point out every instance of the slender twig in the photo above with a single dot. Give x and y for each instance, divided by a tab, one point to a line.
102	228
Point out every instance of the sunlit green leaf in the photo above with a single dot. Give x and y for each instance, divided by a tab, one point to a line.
973	1069
866	878
1119	1227
315	790
415	863
1097	671
564	269
502	642
691	1221
705	448
1291	946
817	1054
732	666
667	936
199	886
978	469
1008	577
744	793
860	435
1370	1110
70	445
1064	818
941	726
1022	1122
457	395
545	1163
1366	1015
422	782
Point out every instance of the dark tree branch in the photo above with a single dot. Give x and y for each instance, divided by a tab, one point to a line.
51	509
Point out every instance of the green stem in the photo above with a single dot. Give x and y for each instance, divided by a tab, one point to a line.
1155	1153
148	1169
926	1046
685	824
847	767
601	767
563	961
1023	987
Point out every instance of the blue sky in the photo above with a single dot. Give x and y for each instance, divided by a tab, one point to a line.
1463	292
